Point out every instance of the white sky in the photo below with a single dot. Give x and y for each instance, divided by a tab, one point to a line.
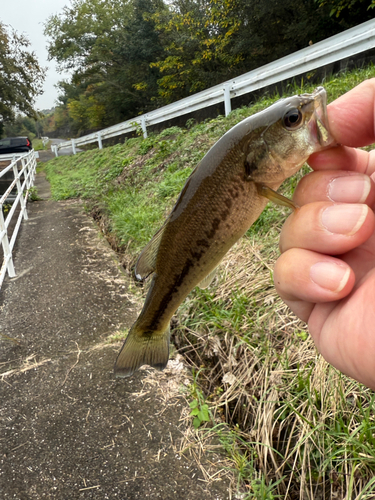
27	17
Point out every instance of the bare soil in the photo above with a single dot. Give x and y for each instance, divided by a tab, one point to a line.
69	430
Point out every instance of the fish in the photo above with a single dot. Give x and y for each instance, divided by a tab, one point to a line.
222	198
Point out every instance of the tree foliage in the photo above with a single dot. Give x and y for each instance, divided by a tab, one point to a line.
109	46
208	41
21	76
130	56
198	41
349	9
22	125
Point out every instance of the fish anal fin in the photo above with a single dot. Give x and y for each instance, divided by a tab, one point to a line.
274	196
206	282
142	349
146	261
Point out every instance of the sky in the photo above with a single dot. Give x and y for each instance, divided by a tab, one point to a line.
27	17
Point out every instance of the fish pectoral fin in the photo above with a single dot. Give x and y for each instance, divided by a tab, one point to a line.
206	282
142	348
146	262
274	196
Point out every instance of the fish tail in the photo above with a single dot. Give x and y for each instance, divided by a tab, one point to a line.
142	348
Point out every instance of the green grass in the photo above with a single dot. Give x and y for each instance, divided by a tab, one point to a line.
289	425
38	144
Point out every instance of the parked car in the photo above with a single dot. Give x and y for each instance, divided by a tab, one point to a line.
15	145
8	147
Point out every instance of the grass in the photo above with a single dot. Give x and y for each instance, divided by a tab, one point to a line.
38	144
289	425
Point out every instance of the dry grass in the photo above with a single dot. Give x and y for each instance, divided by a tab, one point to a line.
172	387
293	427
29	363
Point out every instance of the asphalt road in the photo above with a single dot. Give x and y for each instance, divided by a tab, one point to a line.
62	152
69	430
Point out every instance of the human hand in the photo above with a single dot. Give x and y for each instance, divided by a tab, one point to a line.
326	271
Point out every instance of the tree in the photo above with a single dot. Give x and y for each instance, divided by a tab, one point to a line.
197	35
109	46
22	125
343	9
210	41
130	56
21	77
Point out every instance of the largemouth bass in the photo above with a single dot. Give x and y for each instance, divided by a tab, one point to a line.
222	198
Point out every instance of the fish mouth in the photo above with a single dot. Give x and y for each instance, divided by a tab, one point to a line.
320	123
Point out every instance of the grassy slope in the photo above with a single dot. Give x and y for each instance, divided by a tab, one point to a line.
291	426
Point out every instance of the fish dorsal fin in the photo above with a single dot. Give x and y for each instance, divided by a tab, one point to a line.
206	282
147	260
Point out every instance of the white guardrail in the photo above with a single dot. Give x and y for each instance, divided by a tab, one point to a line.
346	44
19	171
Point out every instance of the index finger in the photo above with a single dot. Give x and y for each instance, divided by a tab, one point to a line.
351	117
351	120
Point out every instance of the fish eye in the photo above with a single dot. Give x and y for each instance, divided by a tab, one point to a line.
292	119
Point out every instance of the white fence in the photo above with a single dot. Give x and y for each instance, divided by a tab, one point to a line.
338	47
20	174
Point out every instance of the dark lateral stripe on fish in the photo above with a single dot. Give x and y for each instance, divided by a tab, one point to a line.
168	295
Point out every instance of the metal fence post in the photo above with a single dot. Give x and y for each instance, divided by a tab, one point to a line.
143	125
6	248
32	172
19	188
100	140
227	103
74	147
27	173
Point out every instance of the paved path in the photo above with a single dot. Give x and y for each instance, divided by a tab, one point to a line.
68	429
64	151
47	154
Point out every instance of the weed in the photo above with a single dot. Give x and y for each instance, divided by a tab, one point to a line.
190	122
199	408
146	145
6	207
200	413
138	128
38	145
171	132
118	336
33	194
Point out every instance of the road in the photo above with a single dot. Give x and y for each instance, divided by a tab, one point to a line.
48	155
69	430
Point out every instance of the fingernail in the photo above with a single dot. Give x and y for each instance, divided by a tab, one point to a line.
344	219
350	189
330	276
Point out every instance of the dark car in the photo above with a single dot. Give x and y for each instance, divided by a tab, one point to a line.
15	145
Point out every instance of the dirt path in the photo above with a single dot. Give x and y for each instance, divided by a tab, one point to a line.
69	430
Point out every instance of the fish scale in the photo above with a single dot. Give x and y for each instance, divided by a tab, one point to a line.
222	198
